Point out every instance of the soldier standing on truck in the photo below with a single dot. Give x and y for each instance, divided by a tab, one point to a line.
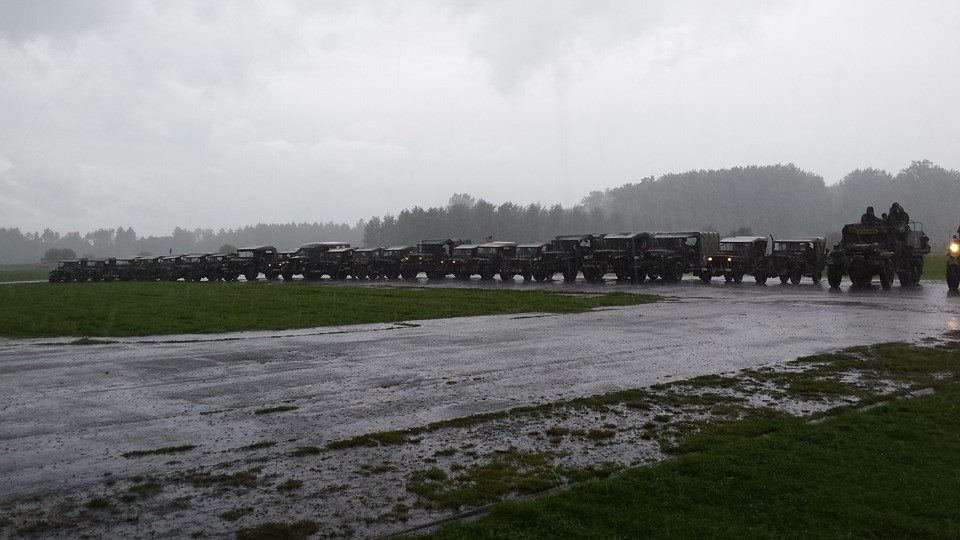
869	218
898	216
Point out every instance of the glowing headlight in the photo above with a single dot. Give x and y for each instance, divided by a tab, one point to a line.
954	247
709	259
729	259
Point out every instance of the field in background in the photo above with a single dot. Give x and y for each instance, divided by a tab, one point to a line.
935	267
136	309
22	272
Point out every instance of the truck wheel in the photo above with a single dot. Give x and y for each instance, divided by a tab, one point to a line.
727	278
409	273
738	278
817	277
393	275
251	276
288	277
541	277
527	277
784	279
795	277
760	278
834	277
569	273
886	277
953	277
508	276
706	277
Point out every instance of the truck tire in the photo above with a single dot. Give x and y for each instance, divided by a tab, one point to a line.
569	273
288	277
706	277
795	277
886	277
760	278
251	276
409	273
508	276
784	279
817	277
834	276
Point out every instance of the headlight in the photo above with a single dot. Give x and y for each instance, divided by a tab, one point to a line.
954	247
729	259
709	259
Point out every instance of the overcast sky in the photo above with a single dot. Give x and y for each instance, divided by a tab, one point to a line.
220	114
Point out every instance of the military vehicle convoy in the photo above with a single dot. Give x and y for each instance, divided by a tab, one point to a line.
878	250
887	249
738	256
796	258
953	263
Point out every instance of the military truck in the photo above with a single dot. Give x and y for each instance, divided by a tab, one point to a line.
193	266
673	254
953	264
336	263
98	270
67	270
387	263
620	253
147	268
249	262
307	259
738	256
280	266
794	258
169	268
880	250
528	262
214	266
567	253
125	268
462	262
363	261
490	257
429	258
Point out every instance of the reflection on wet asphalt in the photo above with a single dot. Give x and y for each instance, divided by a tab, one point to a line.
68	412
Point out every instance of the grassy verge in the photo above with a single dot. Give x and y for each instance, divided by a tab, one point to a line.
891	471
935	267
22	272
136	309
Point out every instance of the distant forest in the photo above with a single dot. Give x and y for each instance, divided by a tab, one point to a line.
782	200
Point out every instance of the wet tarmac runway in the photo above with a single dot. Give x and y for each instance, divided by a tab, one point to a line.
68	412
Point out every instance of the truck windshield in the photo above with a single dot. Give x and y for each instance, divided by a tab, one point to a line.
486	251
735	248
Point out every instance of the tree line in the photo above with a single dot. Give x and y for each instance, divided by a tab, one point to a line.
776	199
781	200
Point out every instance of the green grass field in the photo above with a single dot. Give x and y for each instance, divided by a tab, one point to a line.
136	309
890	472
22	272
935	267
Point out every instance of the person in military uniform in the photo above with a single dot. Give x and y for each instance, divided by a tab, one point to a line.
898	217
869	218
